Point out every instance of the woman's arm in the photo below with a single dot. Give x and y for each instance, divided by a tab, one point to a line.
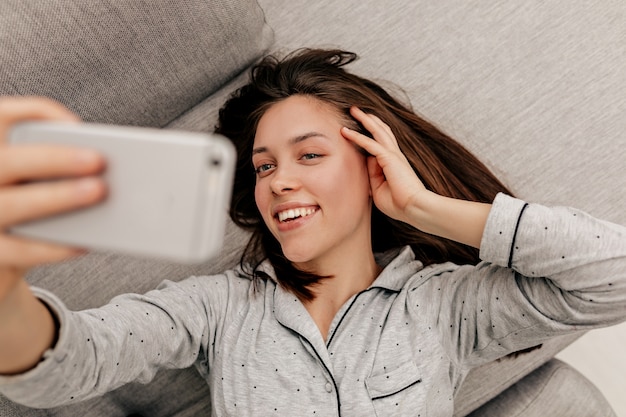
399	193
547	271
93	351
129	340
458	220
27	327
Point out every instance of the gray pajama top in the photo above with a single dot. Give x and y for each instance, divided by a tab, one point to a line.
401	347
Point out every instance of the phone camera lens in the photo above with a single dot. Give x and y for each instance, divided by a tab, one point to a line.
215	162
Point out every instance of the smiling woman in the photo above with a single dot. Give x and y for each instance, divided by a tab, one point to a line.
310	92
385	262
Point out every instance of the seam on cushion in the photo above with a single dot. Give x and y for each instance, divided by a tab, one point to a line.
560	368
546	381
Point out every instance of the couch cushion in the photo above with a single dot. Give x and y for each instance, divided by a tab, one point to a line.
134	62
536	90
555	389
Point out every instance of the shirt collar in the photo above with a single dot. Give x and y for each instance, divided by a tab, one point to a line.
399	264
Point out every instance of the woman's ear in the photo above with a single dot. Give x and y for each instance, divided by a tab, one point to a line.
372	169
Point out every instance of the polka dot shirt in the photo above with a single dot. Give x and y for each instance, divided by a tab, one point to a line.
400	348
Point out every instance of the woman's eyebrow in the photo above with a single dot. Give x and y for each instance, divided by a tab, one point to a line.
292	141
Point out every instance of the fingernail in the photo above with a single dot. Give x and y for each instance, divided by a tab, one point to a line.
87	186
79	251
87	157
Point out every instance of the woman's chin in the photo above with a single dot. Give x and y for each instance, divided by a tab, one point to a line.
301	256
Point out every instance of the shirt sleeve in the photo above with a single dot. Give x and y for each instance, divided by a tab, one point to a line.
545	272
127	340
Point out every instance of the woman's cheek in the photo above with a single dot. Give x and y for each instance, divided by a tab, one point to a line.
261	201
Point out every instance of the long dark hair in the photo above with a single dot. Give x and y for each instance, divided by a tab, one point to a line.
443	165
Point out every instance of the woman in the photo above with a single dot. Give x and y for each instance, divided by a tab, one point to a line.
330	311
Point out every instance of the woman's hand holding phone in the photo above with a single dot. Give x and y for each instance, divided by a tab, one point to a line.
22	200
26	327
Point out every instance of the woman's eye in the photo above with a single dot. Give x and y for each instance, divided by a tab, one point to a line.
308	156
263	168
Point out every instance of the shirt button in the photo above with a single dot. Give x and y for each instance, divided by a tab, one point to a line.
329	388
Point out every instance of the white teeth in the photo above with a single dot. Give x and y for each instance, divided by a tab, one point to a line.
295	213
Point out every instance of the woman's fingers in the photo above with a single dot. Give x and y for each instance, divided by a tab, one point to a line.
393	181
379	129
22	200
24	253
371	146
32	162
32	201
36	200
15	109
28	162
386	151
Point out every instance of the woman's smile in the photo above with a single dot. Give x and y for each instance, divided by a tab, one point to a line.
292	218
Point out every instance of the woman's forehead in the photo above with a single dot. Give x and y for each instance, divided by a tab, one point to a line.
295	117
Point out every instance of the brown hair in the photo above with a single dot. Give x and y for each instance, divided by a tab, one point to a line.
443	165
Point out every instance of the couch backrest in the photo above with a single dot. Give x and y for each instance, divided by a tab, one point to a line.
140	62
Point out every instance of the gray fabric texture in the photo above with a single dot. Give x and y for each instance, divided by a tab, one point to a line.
536	89
486	381
554	389
127	62
428	326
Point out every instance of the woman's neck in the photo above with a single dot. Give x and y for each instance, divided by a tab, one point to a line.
349	276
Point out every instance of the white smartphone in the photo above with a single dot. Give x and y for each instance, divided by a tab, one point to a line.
168	191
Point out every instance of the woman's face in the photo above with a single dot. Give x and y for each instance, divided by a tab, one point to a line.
312	185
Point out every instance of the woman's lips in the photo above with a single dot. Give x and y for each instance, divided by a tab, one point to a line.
293	218
291	214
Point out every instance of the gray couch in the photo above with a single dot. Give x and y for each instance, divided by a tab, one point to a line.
536	89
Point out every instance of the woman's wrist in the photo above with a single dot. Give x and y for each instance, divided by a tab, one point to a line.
458	220
27	329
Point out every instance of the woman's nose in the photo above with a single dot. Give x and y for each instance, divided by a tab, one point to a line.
283	180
